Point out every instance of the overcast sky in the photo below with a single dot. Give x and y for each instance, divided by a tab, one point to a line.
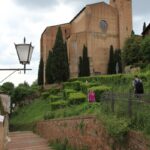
29	18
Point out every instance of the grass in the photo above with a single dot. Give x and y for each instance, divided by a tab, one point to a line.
116	123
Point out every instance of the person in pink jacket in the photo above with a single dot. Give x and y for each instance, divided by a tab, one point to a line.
91	96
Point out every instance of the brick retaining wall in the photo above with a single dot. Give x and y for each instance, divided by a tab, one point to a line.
86	131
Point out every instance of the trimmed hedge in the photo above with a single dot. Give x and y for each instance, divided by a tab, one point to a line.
66	92
99	90
72	85
106	79
86	86
76	98
54	91
45	95
54	98
58	104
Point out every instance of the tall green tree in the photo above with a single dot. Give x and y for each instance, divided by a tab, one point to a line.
84	65
49	69
118	61
111	63
66	63
145	50
132	33
144	26
80	74
59	59
85	62
40	72
131	50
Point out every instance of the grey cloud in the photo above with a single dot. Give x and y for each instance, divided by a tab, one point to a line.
141	7
37	4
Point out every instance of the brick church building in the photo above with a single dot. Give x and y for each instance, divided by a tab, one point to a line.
97	26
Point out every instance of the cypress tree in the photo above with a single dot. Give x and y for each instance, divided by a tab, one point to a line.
66	67
80	67
144	26
117	57
40	72
85	62
49	69
132	33
111	63
61	66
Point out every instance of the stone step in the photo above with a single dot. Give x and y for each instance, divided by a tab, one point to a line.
27	140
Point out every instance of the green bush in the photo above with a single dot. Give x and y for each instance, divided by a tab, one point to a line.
99	90
66	92
76	98
54	98
49	115
54	91
58	104
116	127
72	85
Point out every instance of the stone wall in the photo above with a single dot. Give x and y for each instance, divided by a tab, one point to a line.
1	136
5	110
86	131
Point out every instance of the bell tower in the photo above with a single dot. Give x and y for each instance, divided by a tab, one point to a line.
124	8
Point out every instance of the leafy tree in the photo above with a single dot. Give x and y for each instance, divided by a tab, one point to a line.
21	92
49	68
8	88
60	59
40	72
131	50
145	50
85	62
111	63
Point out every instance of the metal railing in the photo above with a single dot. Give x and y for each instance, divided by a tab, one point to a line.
124	103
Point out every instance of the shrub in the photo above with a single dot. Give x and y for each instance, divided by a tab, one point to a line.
86	86
53	98
76	98
116	127
45	95
58	104
54	91
66	92
72	85
99	90
49	115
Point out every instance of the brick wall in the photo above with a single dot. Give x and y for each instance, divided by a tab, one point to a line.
86	131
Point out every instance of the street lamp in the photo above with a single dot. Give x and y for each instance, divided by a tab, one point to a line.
24	52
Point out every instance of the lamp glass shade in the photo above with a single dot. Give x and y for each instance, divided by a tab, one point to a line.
30	53
23	51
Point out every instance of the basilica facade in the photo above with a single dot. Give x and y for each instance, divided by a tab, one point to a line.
97	26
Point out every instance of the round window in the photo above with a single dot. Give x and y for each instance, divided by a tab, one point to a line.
103	25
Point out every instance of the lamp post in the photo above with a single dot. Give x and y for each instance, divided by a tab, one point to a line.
24	52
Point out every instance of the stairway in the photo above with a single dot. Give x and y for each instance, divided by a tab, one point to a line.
27	140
